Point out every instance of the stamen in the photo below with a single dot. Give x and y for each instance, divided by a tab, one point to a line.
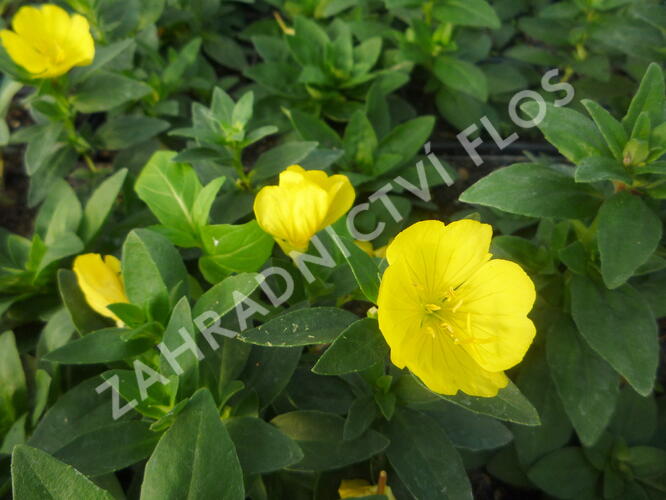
431	308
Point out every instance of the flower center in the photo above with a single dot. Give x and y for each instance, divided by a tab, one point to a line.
441	315
53	51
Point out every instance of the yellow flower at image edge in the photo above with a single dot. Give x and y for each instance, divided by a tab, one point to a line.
47	41
100	282
451	315
303	203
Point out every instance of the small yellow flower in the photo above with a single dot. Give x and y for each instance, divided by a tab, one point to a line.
303	203
451	315
359	488
47	41
100	282
368	248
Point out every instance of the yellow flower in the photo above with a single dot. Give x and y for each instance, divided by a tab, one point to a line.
451	315
302	204
368	248
47	41
358	488
100	282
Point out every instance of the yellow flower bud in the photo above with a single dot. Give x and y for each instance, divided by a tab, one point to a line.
303	203
47	41
100	282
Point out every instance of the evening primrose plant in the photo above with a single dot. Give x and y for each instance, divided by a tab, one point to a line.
249	272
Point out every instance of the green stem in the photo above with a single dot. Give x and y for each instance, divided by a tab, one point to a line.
237	161
90	163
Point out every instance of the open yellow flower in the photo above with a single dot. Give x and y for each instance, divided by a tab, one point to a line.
303	203
47	41
451	315
100	282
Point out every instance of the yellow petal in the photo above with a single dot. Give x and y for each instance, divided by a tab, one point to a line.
497	298
80	41
23	53
446	368
100	282
441	257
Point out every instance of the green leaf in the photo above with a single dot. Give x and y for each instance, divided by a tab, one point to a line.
181	321
601	168
99	205
275	160
84	318
316	325
36	474
268	371
587	385
424	458
159	397
468	430
220	298
13	389
635	418
151	269
170	190
172	76
646	461
620	327
362	265
60	214
612	130
572	133
476	13
195	458
554	431
509	404
311	128
309	43
648	98
204	202
242	111
628	234
362	412
405	140
106	450
461	76
76	413
235	248
320	437
104	91
534	190
360	141
357	348
42	148
121	132
565	473
102	346
261	447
